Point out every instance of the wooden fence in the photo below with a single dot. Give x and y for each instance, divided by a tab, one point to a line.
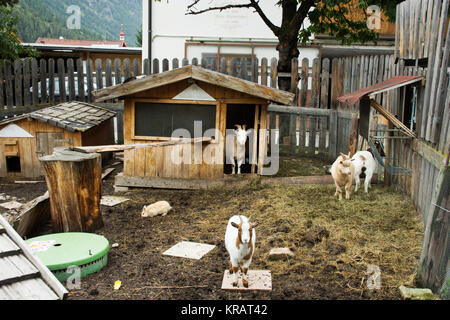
318	84
422	32
310	131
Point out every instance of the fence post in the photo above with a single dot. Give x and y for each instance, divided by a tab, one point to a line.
118	71
147	70
62	80
51	81
315	90
304	83
325	83
90	79
273	73
71	76
43	70
80	77
18	82
26	82
99	73
2	103
264	72
333	134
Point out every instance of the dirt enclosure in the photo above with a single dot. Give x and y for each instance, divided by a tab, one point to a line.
333	242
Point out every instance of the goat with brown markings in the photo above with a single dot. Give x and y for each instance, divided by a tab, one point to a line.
240	238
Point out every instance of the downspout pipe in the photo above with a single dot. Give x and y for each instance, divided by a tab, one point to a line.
149	42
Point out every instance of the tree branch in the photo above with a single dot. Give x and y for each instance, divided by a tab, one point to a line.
301	14
253	4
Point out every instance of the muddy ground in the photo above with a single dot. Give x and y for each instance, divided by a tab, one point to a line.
333	242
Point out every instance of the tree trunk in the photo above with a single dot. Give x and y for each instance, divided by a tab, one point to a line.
74	184
287	50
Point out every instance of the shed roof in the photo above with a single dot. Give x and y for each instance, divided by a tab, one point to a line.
196	73
72	116
23	276
396	82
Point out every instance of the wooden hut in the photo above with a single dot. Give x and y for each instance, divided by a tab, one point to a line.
25	138
156	105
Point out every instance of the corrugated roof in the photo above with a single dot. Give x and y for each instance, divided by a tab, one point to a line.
23	276
399	81
72	116
75	42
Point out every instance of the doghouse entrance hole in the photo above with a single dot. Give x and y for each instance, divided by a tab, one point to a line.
13	164
241	114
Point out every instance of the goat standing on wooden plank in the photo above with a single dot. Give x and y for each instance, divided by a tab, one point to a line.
238	147
343	171
365	165
240	238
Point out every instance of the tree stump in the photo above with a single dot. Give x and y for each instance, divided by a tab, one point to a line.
74	184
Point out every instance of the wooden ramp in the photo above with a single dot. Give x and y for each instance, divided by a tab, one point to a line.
23	276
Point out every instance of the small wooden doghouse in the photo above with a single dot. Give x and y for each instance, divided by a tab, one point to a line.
25	138
156	105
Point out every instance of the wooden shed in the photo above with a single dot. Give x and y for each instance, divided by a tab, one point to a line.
25	138
156	105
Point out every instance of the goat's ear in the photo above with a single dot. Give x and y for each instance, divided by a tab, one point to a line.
237	126
234	224
342	154
248	132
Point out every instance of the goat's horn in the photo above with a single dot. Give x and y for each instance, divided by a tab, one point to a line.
238	126
240	218
244	127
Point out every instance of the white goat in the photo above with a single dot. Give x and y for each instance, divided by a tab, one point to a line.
238	147
364	168
240	238
157	208
343	171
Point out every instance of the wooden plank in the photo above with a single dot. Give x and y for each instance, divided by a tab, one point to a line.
254	70
71	78
147	67
304	82
80	80
224	65
264	71
7	246
47	276
273	73
334	83
26	82
90	79
255	139
295	79
18	85
51	81
441	93
61	80
427	110
325	81
323	121
99	74
108	73
315	83
43	80
312	135
117	71
9	91
439	72
137	67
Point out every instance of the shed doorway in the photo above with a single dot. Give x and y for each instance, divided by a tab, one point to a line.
241	114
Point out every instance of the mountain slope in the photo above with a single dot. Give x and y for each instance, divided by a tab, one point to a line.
100	19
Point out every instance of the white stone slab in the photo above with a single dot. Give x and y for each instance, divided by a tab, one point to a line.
11	205
257	280
112	201
190	250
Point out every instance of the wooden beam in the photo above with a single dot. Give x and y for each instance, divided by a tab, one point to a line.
46	274
389	116
108	148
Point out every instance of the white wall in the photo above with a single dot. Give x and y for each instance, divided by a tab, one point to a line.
171	27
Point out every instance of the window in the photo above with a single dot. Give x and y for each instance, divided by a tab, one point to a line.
161	119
